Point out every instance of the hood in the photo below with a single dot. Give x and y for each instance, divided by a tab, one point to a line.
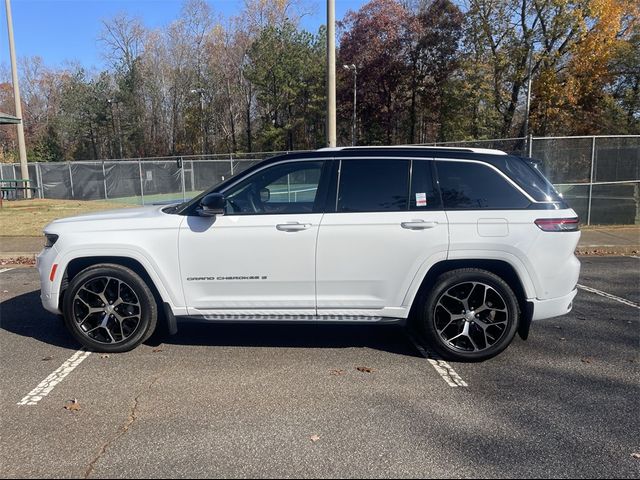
112	220
117	214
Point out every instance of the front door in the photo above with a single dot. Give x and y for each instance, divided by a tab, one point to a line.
259	257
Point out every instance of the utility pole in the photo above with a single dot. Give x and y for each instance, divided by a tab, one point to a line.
24	171
331	73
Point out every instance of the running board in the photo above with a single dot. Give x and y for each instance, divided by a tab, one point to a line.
320	319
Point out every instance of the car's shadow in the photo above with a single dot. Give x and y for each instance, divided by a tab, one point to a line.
23	315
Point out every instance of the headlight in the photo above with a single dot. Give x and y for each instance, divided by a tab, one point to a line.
50	240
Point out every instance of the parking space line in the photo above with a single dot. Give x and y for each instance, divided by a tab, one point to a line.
2	270
47	385
446	371
609	296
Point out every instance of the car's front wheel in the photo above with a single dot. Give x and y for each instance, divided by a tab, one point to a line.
109	308
469	315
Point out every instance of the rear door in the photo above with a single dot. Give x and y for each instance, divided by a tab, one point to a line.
386	227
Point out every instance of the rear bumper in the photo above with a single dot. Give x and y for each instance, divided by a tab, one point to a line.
553	307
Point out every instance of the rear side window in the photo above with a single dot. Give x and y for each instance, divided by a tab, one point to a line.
373	185
527	175
471	186
424	195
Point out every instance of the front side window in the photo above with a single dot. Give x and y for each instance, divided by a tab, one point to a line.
471	186
373	185
283	188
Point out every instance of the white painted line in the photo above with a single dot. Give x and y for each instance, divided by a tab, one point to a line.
44	387
2	270
610	296
445	370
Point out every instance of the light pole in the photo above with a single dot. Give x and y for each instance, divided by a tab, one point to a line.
528	105
355	99
331	73
200	92
116	133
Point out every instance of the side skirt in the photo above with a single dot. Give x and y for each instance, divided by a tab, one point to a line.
294	319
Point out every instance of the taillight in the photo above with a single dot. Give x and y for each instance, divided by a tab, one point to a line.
558	224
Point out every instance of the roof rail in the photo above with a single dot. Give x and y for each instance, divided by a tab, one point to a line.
488	151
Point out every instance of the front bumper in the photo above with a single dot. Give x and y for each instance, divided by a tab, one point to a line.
553	307
49	293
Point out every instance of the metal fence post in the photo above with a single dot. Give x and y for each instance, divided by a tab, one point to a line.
593	157
39	181
193	178
104	180
184	196
231	163
530	145
73	195
141	183
636	197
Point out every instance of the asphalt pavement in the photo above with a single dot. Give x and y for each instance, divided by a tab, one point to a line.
289	401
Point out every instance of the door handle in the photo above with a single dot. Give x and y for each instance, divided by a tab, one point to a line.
292	227
418	225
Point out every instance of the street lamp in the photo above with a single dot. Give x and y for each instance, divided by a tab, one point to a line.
355	97
200	92
116	133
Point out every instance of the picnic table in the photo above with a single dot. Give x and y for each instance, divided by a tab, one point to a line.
9	188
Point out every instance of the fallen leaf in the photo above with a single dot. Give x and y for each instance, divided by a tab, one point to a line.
72	405
46	359
337	372
314	438
365	369
157	350
635	455
563	339
585	360
104	356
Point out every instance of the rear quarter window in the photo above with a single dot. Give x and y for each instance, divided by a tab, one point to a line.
530	179
473	186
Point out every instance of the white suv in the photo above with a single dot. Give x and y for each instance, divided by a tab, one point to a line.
470	245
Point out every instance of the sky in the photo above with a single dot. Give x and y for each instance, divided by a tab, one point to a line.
67	30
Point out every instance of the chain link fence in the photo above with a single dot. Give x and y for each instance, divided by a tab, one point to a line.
599	176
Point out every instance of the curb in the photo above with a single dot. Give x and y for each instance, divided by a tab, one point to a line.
20	259
608	250
29	258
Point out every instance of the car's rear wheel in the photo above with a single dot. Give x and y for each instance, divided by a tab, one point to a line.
469	315
109	308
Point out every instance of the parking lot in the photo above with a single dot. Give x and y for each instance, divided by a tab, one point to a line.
325	401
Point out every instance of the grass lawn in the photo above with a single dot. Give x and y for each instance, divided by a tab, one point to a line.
28	217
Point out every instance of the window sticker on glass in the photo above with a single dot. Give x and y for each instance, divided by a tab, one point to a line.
421	199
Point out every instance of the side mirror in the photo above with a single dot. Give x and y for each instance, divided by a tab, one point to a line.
265	195
212	205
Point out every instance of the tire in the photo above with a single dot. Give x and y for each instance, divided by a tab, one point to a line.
114	327
469	315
